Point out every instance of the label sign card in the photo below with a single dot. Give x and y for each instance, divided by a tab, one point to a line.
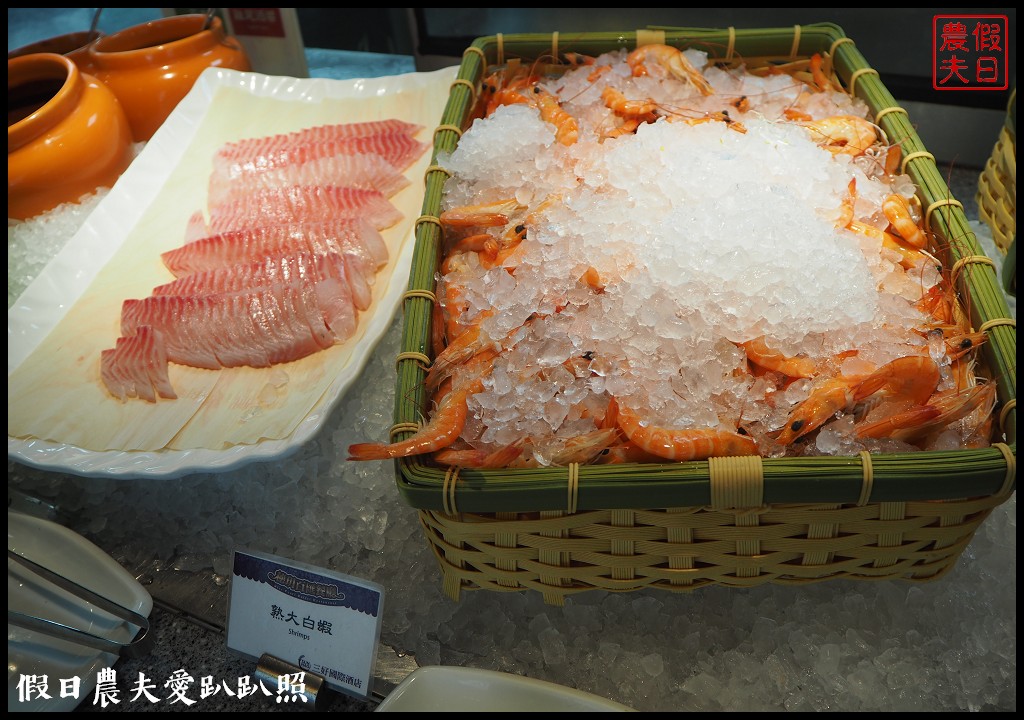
326	623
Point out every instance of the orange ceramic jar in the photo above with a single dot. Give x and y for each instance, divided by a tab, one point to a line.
75	45
66	134
152	66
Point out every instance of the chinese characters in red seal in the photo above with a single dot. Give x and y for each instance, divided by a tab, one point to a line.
969	52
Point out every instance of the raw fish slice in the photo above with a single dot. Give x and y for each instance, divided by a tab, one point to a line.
359	283
269	325
355	239
196	227
371	172
335	299
303	203
137	367
398	149
252	148
272	270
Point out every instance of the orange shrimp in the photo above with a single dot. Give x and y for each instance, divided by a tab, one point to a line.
843	134
937	303
628	127
962	343
443	428
626	452
492	214
759	353
672	61
483	459
897	212
721	116
468	344
437	328
899	425
821	82
598	72
617	103
507	96
893	155
912	378
796	115
909	257
502	88
576	60
472	243
566	128
942	410
682	445
582	449
833	396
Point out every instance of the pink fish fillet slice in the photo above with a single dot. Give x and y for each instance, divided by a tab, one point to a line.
273	270
251	148
257	328
370	172
353	238
303	203
137	367
398	149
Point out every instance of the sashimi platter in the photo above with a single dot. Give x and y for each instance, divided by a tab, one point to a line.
221	298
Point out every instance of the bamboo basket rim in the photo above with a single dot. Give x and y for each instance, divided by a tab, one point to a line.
926	475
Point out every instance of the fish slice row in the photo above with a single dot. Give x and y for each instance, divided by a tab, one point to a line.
281	262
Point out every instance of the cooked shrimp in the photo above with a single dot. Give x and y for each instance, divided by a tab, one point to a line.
721	116
492	214
566	128
937	303
897	212
576	59
581	449
628	127
483	459
962	343
442	430
759	353
672	61
626	452
469	343
942	410
617	103
681	445
821	81
832	397
912	378
507	96
909	257
796	116
843	134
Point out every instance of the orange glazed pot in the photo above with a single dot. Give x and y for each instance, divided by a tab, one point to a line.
152	66
75	45
66	134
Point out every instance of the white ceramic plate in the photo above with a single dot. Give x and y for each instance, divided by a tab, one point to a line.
30	653
64	280
457	689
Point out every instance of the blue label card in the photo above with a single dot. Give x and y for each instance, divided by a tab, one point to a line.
324	622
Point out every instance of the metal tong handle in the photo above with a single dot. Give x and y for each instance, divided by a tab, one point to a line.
139	647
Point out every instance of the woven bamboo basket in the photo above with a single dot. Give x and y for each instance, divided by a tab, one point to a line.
997	194
725	521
